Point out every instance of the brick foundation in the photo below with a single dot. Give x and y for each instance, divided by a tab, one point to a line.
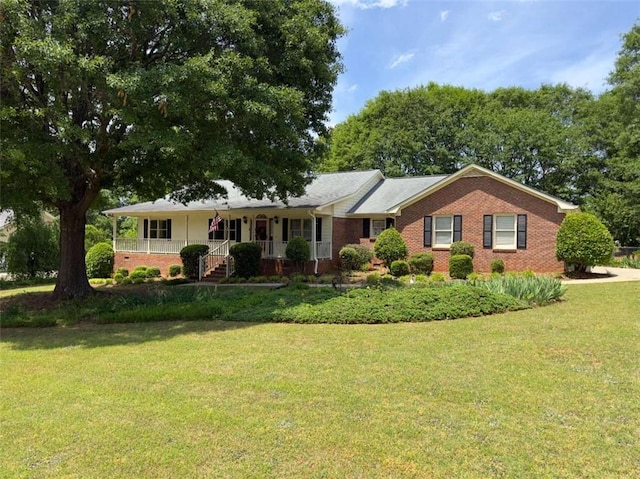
132	260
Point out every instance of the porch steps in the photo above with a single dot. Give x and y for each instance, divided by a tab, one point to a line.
216	274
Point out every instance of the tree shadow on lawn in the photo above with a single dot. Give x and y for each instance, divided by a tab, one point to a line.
86	335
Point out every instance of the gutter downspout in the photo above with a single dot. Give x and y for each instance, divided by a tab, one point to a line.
314	256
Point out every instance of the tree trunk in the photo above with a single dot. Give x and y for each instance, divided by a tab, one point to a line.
72	273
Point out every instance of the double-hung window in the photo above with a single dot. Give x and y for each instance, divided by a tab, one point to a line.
377	227
504	231
300	227
157	229
442	231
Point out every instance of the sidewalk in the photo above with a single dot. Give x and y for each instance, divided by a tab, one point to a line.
615	275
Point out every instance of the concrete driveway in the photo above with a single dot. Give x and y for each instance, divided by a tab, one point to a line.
615	274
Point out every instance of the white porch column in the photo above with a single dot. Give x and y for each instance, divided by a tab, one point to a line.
186	230
114	220
148	235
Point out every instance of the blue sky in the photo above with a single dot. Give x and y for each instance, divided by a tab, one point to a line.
397	44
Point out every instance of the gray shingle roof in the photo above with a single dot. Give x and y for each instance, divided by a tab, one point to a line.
391	192
323	190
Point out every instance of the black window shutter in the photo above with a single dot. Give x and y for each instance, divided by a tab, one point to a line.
168	229
146	229
522	231
487	231
366	227
239	230
390	223
427	230
285	229
318	229
457	228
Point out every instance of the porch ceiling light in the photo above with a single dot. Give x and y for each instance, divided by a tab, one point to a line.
244	220
276	219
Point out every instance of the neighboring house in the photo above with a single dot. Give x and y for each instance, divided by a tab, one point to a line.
8	226
501	217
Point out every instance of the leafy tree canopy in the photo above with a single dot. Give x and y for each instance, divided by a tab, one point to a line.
156	97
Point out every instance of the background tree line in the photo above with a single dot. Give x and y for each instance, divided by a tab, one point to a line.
564	141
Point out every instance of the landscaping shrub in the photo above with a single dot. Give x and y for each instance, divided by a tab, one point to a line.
399	268
460	266
174	270
372	280
359	258
538	290
190	256
137	275
461	247
349	259
421	263
153	272
390	246
32	250
437	278
583	241
118	277
247	259
99	261
123	271
497	266
298	251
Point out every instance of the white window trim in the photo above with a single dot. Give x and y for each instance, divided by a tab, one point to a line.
302	229
157	230
375	234
436	230
514	243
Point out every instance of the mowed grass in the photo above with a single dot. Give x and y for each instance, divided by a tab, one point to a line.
545	392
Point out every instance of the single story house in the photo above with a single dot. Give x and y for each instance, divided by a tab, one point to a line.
501	217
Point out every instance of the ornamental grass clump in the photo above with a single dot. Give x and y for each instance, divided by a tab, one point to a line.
535	290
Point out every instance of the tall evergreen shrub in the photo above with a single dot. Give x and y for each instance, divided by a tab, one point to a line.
583	241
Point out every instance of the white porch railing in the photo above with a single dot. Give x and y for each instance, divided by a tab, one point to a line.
270	249
213	259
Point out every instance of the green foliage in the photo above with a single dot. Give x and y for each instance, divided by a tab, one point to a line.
135	121
583	241
390	246
354	256
437	278
421	263
190	256
461	247
460	266
123	271
153	272
497	266
93	236
538	290
174	270
99	261
247	259
32	250
138	275
298	251
399	268
118	278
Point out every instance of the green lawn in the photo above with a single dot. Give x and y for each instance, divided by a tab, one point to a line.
546	392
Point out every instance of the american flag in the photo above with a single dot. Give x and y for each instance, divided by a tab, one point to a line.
214	223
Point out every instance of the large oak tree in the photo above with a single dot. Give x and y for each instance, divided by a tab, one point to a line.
158	96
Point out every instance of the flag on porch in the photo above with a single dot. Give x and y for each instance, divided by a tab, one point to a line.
214	223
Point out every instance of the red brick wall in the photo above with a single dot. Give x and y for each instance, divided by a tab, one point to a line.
478	196
345	231
162	261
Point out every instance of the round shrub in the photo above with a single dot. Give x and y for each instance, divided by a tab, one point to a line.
247	259
421	263
174	270
99	261
461	247
399	268
460	266
497	266
153	272
190	256
583	241
123	271
390	246
119	277
138	275
298	251
349	258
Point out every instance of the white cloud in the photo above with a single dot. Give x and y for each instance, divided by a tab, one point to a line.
404	58
352	88
444	14
497	16
369	4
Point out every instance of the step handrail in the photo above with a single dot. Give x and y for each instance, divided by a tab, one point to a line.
220	251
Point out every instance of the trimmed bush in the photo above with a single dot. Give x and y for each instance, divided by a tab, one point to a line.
460	266
174	270
153	272
99	261
247	259
583	241
190	256
461	247
119	277
349	259
399	268
421	263
497	266
123	271
390	246
298	251
137	275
